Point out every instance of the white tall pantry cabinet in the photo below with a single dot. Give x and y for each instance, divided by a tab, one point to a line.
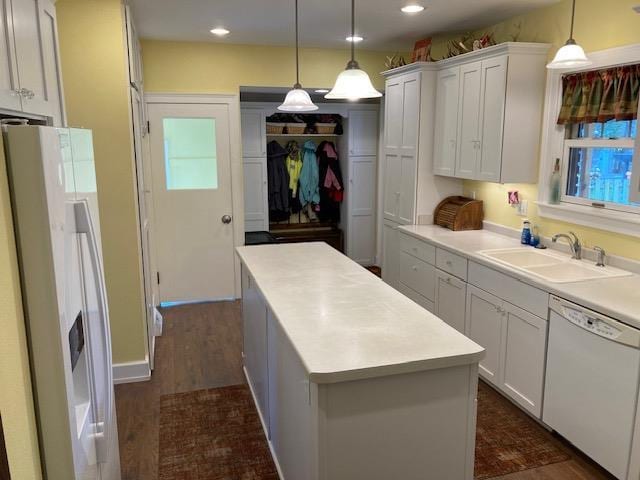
411	191
30	76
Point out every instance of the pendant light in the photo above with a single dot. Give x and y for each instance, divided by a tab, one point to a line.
571	55
297	99
353	83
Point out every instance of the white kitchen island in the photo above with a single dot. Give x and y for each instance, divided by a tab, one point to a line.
351	378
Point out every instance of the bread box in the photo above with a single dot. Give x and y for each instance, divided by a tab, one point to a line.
459	213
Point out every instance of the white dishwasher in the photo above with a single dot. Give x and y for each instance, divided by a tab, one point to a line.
591	386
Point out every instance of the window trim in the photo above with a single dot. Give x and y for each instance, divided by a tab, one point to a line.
553	144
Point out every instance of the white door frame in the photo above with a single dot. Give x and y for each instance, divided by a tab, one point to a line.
235	150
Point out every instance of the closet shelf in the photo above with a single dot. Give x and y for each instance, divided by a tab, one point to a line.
270	135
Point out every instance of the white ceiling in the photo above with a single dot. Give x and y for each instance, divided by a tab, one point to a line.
323	23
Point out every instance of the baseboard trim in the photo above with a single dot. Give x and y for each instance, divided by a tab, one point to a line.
130	372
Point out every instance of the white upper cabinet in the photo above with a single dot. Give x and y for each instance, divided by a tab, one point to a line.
446	125
253	128
468	150
9	87
363	132
31	81
488	110
492	98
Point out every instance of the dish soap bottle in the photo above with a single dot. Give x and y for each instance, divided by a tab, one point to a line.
555	184
525	238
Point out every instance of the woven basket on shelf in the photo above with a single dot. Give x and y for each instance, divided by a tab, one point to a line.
325	128
275	128
296	128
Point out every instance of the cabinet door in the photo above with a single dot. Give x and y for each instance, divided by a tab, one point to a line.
407	196
9	97
484	326
30	55
451	294
410	111
361	190
492	101
446	123
256	214
254	350
392	178
51	63
524	342
393	112
468	149
253	130
363	132
390	254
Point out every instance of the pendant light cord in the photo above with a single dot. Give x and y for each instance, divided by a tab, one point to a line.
297	85
353	29
573	14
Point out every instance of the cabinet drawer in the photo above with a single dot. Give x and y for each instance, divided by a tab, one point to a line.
417	248
418	275
507	288
451	263
416	297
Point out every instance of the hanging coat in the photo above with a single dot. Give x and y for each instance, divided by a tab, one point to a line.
331	186
309	176
278	182
294	166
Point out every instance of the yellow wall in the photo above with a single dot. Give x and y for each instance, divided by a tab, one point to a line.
93	55
599	25
16	400
199	67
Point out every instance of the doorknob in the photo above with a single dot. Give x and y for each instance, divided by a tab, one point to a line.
226	219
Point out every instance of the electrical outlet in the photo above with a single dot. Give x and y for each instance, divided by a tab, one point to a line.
522	208
472	194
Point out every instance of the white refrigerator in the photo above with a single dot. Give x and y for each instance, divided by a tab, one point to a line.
55	205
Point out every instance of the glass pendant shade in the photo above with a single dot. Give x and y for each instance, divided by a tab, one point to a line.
353	84
571	55
297	100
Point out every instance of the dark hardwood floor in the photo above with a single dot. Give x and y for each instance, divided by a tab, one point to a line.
201	348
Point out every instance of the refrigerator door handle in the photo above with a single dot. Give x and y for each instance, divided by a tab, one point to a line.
84	225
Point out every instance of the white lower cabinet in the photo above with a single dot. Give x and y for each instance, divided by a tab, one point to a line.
450	300
484	326
515	344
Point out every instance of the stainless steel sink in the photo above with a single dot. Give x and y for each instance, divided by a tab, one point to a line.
551	266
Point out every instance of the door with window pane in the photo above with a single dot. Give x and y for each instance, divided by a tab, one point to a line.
192	201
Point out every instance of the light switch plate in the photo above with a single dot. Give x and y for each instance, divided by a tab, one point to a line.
522	208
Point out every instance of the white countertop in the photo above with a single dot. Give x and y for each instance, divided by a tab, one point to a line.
344	322
615	297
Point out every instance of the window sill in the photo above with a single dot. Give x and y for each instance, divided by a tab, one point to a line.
609	220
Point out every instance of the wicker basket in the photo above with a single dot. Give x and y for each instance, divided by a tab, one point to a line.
275	128
296	128
325	128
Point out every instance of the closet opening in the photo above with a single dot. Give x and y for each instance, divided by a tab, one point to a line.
311	176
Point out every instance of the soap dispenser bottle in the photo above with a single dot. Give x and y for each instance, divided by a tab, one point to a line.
525	238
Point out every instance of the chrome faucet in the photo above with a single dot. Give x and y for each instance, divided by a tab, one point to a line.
574	243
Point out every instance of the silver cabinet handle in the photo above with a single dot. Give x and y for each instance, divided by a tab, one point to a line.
449	262
26	93
414	268
226	219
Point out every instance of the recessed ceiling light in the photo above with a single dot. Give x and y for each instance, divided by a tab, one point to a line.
354	39
221	32
322	90
412	8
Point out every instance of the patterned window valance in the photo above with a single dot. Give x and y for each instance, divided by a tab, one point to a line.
600	95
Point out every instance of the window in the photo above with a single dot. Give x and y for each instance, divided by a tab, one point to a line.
190	153
598	164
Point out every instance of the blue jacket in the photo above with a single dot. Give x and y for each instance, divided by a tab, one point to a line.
309	176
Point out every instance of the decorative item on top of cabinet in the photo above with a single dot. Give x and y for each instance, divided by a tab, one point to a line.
459	213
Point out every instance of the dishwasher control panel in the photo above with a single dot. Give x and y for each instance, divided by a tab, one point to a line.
590	323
